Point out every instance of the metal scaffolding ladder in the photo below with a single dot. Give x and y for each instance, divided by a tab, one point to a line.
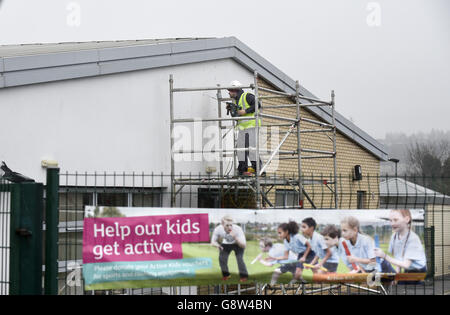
258	184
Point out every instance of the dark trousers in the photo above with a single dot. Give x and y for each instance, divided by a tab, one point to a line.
246	139
423	270
387	267
331	267
293	266
223	259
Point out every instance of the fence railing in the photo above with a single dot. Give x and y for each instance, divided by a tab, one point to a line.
78	190
5	246
21	238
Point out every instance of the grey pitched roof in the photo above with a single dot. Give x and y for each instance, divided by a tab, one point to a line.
37	63
401	187
47	48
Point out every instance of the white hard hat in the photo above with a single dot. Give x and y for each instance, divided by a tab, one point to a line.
236	84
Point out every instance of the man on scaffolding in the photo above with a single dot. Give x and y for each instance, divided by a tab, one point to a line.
247	128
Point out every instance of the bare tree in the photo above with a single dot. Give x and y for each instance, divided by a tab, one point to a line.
446	168
429	165
424	159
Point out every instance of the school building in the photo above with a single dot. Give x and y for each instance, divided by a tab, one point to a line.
98	107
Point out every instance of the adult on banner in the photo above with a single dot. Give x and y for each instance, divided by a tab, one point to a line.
228	237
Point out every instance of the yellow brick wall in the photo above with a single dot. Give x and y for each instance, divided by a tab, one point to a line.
349	154
438	216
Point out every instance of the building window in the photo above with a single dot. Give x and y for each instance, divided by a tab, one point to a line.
208	198
286	198
112	199
241	198
361	199
151	198
71	205
72	200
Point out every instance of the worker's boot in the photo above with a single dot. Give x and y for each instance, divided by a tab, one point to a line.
250	171
260	166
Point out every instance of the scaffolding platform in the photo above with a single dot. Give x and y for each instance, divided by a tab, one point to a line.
235	180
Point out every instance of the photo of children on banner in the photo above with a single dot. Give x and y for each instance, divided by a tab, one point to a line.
358	250
295	243
325	260
360	254
321	252
228	237
405	247
329	246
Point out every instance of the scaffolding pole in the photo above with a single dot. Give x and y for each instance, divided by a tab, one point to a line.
219	113
172	160
334	149
258	166
277	148
299	160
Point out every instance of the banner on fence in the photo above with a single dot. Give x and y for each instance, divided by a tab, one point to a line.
155	247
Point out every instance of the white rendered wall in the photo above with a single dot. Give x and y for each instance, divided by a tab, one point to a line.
108	123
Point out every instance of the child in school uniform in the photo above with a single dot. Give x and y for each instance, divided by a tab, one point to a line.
272	250
295	242
405	247
362	247
331	235
318	245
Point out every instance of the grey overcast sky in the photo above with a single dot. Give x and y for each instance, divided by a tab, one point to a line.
387	60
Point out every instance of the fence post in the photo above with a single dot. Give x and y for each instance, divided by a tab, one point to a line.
429	250
51	232
26	239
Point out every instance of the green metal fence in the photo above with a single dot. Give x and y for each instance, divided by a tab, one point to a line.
22	266
5	213
78	190
41	251
21	238
26	245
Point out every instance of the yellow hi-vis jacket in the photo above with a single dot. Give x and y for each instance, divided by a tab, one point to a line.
245	124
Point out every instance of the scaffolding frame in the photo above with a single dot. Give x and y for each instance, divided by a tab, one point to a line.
256	183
